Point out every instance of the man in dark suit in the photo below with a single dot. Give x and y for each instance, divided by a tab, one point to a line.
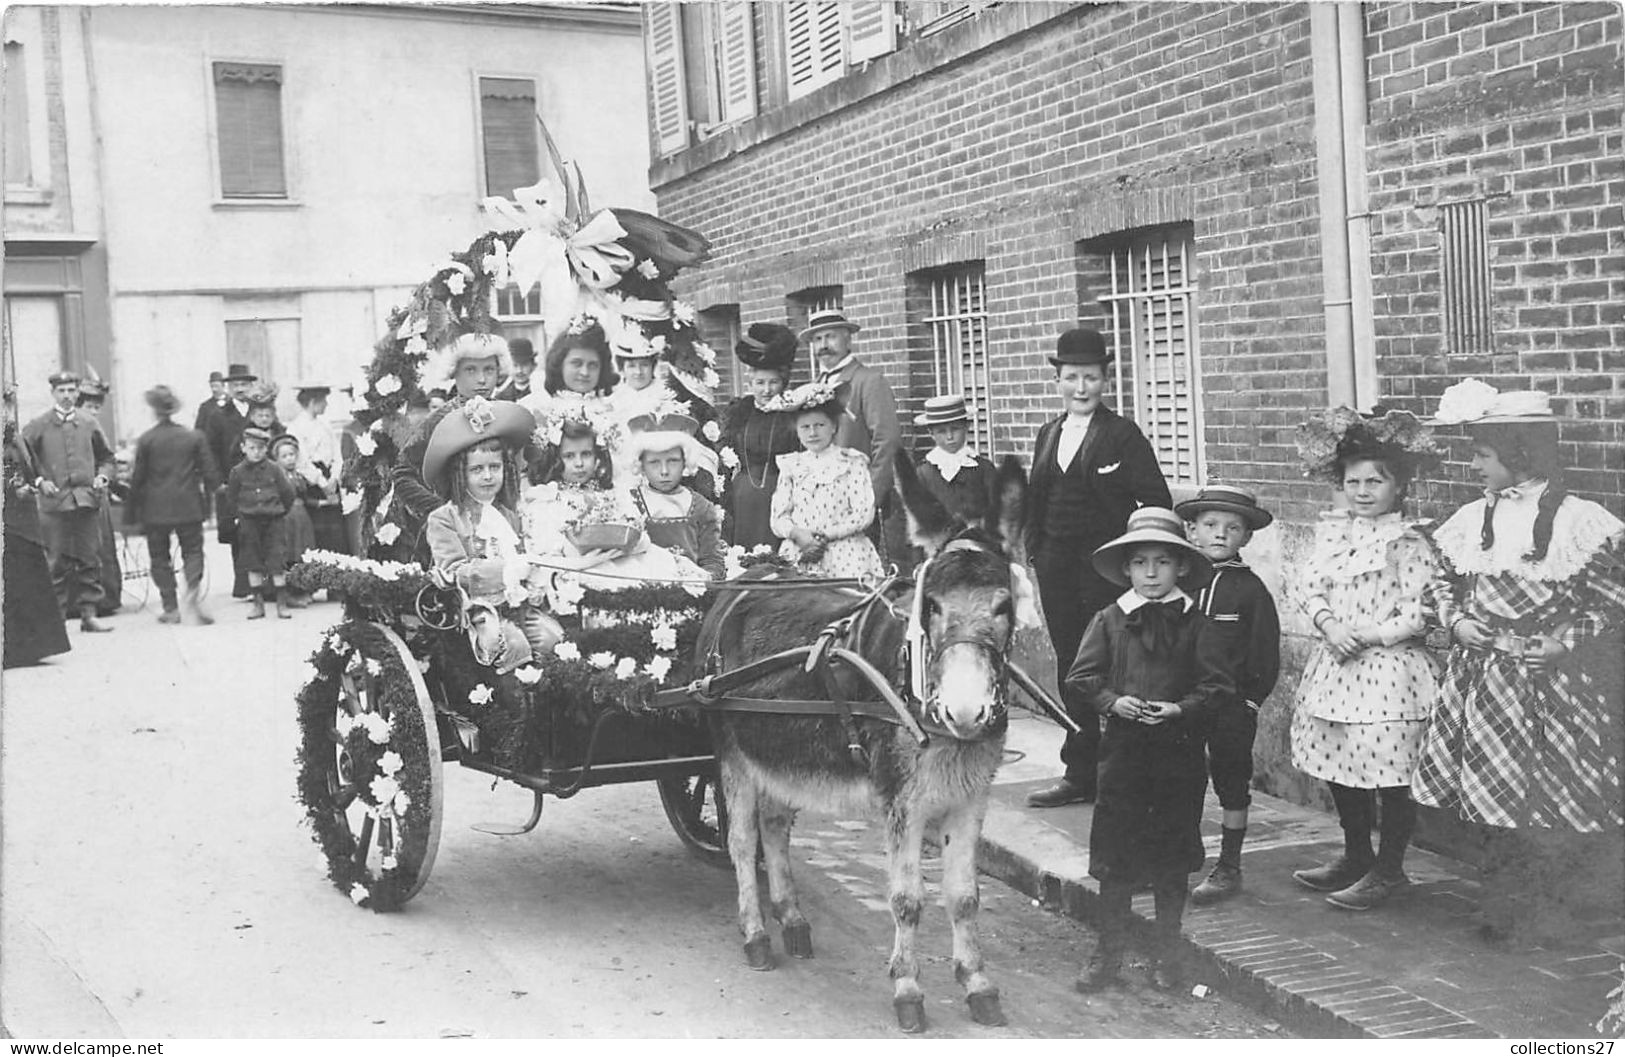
219	397
170	483
75	465
1091	469
224	426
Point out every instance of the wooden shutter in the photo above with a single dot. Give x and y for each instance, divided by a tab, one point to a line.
737	61
508	134
814	49
871	31
667	88
1153	300
248	115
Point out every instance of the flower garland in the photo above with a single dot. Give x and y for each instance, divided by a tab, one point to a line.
389	765
378	585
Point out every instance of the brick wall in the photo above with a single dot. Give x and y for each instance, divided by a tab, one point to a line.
1516	105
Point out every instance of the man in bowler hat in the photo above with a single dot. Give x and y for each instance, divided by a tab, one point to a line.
1091	469
75	465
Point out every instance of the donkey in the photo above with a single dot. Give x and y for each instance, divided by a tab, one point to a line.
772	765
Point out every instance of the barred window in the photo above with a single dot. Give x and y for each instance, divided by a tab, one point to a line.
1465	277
248	121
957	318
1152	306
508	134
719	328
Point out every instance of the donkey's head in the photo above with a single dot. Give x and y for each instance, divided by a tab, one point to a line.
968	596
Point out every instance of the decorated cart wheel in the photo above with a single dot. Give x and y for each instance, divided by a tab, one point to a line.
696	810
369	768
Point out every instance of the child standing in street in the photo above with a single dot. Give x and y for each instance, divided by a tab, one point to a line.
261	495
298	531
1150	665
1220	521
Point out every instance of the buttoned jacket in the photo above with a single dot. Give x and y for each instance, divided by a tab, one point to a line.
70	453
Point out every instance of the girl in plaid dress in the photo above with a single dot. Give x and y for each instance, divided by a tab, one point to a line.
1527	737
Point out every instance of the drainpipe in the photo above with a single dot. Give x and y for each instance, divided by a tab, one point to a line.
1337	295
1351	56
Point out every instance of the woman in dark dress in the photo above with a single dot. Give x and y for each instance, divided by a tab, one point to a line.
33	623
757	437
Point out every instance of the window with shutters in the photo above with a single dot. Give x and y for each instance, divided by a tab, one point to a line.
248	126
926	17
733	61
508	136
803	303
1151	303
953	306
668	93
823	37
1465	277
19	163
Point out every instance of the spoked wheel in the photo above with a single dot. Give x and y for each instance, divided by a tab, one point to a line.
370	773
697	811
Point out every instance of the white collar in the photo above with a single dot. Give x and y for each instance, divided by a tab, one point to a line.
1073	423
1131	600
839	367
1528	491
950	463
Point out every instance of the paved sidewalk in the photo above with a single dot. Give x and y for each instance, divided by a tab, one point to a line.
1413	969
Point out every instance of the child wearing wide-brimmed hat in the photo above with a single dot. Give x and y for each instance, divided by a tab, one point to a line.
1221	521
476	539
961	478
1150	665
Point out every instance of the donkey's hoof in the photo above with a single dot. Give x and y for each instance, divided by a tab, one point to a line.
798	940
985	1009
910	1013
759	954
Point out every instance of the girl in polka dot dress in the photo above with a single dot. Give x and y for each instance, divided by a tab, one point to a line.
1362	706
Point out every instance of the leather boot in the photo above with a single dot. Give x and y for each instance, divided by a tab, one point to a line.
171	613
87	619
282	610
256	599
1169	972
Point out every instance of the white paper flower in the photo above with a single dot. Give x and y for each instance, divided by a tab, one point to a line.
343	725
710	378
480	695
664	636
602	660
424	664
705	352
384	789
626	668
358	893
730	458
388	534
648	269
762	550
530	675
350	503
389	862
683	312
1465	401
495	263
390	762
658	668
456	284
416	346
366	445
354	664
378	728
712	431
658	343
566	651
402	802
374	668
387	385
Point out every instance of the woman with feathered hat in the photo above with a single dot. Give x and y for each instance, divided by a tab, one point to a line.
1529	730
756	430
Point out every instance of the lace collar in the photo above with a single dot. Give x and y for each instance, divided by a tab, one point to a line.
1347	546
1580	529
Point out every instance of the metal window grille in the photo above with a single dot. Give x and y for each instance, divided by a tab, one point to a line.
818	298
1465	277
958	322
1153	316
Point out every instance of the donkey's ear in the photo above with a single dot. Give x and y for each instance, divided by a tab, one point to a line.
930	525
1006	514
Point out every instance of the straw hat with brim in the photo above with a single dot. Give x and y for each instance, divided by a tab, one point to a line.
162	399
1226	497
1473	403
943	411
825	320
1149	524
314	387
470	423
239	373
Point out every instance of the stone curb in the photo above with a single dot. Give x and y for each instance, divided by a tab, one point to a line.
1309	990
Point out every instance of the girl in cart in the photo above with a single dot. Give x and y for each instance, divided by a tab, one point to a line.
476	540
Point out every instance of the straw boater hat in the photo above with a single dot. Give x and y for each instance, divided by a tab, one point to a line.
1080	347
1473	403
1226	497
314	388
943	411
651	433
473	421
826	319
1149	524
